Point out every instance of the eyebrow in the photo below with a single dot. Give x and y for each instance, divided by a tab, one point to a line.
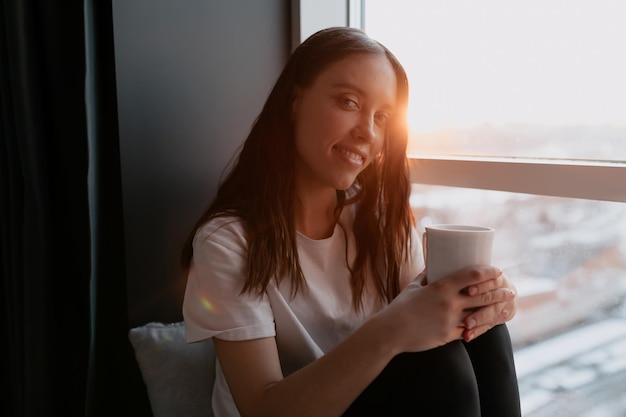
347	84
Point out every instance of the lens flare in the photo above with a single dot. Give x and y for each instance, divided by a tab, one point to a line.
207	304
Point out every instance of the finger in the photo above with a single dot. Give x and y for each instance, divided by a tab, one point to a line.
483	287
509	310
492	297
459	333
471	334
469	276
489	316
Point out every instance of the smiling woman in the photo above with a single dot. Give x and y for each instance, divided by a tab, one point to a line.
310	258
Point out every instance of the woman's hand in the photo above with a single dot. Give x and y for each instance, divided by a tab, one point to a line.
491	314
423	317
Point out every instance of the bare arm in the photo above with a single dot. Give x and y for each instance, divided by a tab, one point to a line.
326	387
420	318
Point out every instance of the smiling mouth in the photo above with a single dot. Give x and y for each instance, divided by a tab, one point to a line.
353	157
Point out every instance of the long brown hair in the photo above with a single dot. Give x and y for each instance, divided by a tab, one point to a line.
259	189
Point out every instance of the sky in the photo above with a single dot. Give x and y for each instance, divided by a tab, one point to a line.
547	62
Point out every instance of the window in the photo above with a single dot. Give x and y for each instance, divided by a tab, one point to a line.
511	78
518	118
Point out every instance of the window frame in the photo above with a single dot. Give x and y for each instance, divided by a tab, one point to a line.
308	16
588	180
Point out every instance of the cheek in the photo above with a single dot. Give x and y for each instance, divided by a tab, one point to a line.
301	140
308	142
304	131
321	129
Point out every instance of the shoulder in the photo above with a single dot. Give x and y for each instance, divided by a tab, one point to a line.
226	231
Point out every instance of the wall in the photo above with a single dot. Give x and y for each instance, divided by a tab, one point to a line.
191	78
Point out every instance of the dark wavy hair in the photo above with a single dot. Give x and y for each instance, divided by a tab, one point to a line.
259	188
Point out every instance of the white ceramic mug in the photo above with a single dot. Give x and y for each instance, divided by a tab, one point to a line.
451	247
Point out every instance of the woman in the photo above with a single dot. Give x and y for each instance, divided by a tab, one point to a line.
306	268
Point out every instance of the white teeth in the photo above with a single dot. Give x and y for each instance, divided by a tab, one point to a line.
354	156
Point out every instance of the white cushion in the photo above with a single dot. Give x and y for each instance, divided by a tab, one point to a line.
178	375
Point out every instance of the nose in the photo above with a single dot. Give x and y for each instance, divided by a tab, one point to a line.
365	128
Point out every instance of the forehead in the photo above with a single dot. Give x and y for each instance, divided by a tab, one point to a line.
370	74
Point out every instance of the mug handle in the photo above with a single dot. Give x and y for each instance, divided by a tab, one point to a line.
425	252
424	243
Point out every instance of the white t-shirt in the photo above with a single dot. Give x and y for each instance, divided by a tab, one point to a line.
306	325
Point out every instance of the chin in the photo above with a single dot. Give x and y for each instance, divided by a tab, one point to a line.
344	186
343	182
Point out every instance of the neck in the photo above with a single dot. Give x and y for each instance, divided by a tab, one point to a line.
315	214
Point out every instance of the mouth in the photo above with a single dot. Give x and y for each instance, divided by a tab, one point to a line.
352	156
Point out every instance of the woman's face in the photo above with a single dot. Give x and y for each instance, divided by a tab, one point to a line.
341	119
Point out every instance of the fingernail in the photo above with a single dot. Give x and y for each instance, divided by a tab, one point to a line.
471	336
472	290
471	323
504	313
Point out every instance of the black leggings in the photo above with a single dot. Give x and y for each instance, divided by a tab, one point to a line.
475	379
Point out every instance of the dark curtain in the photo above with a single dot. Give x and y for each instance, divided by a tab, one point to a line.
115	383
63	295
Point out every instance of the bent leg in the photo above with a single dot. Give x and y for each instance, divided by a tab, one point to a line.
435	383
492	358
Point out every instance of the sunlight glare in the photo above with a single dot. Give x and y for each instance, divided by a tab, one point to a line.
544	62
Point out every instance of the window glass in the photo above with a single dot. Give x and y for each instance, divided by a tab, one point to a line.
567	258
530	78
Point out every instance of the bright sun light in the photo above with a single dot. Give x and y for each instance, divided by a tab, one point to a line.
501	61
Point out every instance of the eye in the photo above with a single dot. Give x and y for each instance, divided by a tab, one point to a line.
348	103
381	118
